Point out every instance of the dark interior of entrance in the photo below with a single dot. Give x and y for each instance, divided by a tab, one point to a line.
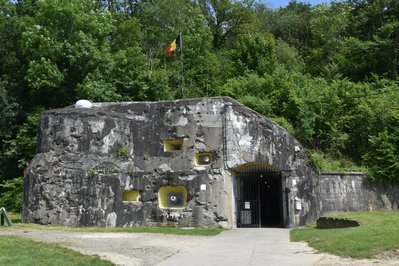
259	202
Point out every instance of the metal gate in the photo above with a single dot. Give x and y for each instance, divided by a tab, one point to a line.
248	213
248	203
259	196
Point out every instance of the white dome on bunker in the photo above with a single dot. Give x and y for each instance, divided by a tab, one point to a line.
83	104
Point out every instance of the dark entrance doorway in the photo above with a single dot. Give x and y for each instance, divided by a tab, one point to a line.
259	197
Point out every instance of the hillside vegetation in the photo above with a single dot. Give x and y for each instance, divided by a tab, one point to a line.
328	73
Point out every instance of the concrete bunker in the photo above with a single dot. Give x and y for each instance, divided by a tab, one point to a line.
194	162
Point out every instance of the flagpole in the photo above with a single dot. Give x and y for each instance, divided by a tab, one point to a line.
181	65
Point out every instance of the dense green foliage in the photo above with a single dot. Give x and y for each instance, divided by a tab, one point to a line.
328	73
19	251
366	241
12	193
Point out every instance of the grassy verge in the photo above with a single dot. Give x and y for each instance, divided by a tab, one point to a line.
158	230
18	251
378	232
16	219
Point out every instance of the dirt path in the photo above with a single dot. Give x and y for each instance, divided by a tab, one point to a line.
141	249
128	249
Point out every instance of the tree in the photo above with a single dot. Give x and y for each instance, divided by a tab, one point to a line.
381	153
329	26
164	20
63	44
227	19
22	148
373	45
8	113
8	118
12	194
254	53
291	24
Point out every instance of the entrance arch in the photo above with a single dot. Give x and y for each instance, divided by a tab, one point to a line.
260	197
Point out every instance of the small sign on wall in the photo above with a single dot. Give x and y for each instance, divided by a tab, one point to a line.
298	205
203	187
247	205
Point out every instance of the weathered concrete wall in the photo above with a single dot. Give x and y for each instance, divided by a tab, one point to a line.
77	177
249	137
88	157
346	192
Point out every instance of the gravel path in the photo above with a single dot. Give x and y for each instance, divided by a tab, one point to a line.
142	249
130	249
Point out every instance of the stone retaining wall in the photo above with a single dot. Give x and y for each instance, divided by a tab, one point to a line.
345	192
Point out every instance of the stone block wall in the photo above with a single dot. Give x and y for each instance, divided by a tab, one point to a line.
347	192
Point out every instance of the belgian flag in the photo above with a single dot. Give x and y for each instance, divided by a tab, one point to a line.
174	45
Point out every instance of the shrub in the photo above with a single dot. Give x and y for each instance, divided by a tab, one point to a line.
12	194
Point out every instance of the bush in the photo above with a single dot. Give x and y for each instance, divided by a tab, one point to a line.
324	163
12	194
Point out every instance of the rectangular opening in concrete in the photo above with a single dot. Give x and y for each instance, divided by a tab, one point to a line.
203	159
260	200
172	197
132	195
171	145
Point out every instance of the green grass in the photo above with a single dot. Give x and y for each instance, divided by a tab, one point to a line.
378	232
16	219
18	251
159	230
